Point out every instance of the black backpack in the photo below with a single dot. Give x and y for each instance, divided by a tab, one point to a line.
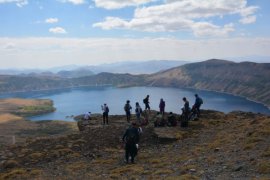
145	101
131	137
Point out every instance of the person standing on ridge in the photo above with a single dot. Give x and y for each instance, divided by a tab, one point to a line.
185	113
198	103
105	110
138	111
146	102
131	139
127	109
162	107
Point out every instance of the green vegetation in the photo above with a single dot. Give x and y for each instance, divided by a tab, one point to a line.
35	110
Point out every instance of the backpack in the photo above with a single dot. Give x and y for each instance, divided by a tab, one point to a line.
145	101
200	100
127	107
138	110
131	137
107	109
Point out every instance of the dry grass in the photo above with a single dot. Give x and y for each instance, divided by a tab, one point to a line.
128	169
21	173
10	164
264	167
76	167
163	172
184	169
7	117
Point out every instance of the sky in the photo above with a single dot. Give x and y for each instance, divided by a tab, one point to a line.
49	33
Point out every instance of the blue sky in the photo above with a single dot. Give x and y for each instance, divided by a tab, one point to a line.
41	34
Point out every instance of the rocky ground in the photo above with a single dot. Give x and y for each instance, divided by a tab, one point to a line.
218	146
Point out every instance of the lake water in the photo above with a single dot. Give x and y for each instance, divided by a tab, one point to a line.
80	100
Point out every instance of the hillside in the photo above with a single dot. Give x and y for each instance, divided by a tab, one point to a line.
10	83
250	80
218	146
245	79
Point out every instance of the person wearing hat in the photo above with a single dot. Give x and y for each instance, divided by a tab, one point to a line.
131	139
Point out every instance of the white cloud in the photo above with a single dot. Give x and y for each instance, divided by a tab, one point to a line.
19	3
204	29
248	20
184	15
117	4
48	52
76	2
51	20
57	30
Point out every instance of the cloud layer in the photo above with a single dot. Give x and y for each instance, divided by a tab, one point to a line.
51	20
117	4
19	3
58	30
195	16
45	52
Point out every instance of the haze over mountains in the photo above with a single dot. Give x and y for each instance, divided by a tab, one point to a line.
73	71
247	79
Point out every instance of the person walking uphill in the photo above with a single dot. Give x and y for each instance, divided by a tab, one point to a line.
127	109
162	106
105	110
146	102
131	139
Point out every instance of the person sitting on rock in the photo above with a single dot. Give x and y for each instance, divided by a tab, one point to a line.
144	119
87	116
159	120
131	139
172	120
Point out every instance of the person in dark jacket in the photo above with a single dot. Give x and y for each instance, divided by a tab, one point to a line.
127	109
162	106
105	110
185	113
146	102
197	104
172	120
131	139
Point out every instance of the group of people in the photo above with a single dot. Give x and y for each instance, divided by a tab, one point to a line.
131	136
160	121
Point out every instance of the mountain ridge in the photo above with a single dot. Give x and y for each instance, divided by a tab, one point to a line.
246	79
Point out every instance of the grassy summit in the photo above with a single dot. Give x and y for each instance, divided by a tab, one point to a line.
218	146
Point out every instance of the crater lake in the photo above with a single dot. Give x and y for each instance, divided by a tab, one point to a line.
76	101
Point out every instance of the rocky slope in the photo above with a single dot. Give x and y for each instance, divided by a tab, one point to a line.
218	146
250	80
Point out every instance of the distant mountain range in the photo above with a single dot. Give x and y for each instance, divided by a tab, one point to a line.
74	71
247	79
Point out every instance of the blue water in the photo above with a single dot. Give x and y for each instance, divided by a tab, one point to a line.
77	101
